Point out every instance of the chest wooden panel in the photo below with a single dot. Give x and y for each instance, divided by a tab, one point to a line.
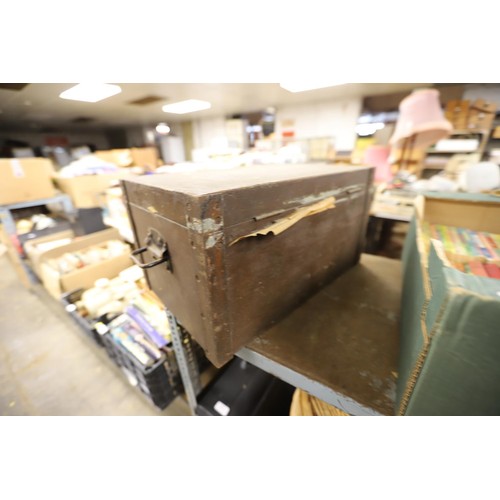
248	245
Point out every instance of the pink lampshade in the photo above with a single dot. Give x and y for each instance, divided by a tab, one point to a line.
378	157
420	115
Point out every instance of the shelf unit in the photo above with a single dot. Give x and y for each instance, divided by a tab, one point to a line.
493	142
482	134
7	219
9	232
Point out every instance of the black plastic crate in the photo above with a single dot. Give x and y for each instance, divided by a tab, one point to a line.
88	221
160	382
86	324
242	389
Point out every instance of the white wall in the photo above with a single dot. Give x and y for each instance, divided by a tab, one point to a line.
175	129
323	119
137	136
208	131
172	149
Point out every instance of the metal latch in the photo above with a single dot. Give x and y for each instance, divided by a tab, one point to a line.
156	244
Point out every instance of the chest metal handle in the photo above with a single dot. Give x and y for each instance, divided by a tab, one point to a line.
158	247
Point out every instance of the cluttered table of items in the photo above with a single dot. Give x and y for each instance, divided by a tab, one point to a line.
394	201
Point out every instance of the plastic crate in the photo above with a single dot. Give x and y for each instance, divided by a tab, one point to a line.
87	325
88	221
160	383
241	389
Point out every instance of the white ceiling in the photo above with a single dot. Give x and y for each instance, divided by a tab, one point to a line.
38	105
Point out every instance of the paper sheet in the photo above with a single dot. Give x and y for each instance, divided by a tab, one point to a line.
280	225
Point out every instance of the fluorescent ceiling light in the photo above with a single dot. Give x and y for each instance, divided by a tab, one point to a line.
302	87
90	92
162	128
365	129
189	106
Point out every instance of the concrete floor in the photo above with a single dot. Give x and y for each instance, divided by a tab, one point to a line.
49	367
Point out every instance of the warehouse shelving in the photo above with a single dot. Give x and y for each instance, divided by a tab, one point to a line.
433	153
64	205
6	211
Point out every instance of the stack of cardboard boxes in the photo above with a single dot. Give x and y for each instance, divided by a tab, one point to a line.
32	179
29	179
140	157
22	180
25	179
449	341
467	115
87	191
481	115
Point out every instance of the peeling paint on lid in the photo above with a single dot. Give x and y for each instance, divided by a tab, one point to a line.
356	189
204	226
213	239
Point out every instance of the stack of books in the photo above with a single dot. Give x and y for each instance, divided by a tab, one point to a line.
142	329
472	252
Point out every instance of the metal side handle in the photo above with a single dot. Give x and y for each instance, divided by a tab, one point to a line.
157	245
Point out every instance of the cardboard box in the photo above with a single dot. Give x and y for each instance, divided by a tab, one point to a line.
142	157
56	284
145	157
478	126
86	190
456	112
25	179
460	124
449	110
34	248
450	346
487	122
480	119
484	106
481	115
120	157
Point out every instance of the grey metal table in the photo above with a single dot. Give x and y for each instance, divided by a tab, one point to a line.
340	346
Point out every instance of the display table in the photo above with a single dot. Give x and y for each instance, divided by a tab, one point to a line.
388	208
342	344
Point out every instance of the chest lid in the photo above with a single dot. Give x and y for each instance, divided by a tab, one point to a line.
247	193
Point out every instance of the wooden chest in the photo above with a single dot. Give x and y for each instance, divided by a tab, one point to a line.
233	251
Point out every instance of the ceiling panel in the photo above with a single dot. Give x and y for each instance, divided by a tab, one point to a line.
38	104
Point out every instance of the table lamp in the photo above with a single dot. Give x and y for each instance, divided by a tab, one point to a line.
420	124
378	157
